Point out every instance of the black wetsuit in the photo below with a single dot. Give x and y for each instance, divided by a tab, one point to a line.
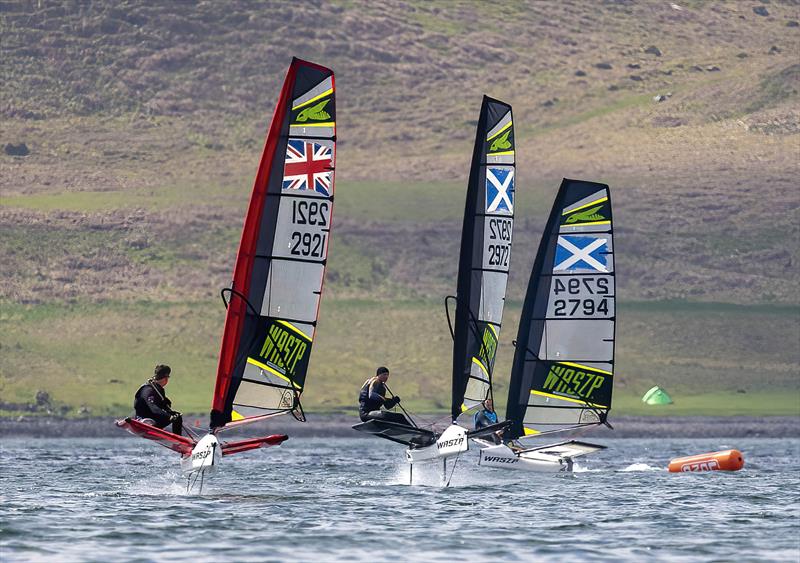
370	400
151	402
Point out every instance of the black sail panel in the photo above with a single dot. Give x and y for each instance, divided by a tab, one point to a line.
562	374
485	256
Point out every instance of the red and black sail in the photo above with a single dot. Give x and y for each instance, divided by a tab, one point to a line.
278	277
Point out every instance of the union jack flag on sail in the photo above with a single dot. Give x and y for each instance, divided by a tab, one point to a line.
308	167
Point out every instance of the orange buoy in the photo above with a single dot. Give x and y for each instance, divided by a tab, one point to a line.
728	460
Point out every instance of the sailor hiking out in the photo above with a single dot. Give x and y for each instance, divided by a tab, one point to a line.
373	396
152	405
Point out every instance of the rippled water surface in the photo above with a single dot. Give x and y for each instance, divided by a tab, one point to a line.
349	499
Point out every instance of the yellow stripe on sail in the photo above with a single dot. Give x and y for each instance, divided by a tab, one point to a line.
601	200
588	224
325	124
236	416
581	366
314	99
294	328
530	431
272	371
494	330
506	126
502	153
570	399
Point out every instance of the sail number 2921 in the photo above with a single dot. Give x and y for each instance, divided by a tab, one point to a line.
315	214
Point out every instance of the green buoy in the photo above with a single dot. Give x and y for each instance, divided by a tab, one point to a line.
657	396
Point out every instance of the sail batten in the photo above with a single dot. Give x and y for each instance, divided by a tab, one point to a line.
485	256
562	374
280	266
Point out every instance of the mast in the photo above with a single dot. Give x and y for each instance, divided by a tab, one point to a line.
562	374
485	256
277	282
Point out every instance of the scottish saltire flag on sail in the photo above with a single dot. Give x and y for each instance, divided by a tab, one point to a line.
308	166
485	256
277	282
563	369
582	254
500	190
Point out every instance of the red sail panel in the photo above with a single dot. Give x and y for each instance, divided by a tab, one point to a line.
244	258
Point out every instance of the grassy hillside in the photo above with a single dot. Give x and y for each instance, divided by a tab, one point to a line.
145	121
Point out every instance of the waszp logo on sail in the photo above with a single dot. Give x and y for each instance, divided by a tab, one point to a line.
282	349
562	379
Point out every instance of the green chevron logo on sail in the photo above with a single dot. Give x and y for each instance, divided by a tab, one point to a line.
315	113
501	143
586	216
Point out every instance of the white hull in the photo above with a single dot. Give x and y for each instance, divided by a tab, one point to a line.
453	441
552	458
503	457
205	457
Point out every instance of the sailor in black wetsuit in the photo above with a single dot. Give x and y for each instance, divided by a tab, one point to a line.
373	396
151	402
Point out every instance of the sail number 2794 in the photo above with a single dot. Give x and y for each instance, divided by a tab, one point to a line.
585	296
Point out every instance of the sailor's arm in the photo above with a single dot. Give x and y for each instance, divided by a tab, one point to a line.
149	396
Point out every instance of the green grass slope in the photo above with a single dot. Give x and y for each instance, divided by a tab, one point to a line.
145	122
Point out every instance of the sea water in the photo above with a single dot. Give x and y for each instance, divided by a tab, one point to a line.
349	499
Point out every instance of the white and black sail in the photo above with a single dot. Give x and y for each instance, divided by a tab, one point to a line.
562	375
485	256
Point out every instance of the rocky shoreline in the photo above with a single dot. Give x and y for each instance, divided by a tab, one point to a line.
339	425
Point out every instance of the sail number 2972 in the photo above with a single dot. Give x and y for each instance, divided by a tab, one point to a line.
500	251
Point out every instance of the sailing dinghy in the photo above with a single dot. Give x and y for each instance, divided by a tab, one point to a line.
562	374
273	302
482	277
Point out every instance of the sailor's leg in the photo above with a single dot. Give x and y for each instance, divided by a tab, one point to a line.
177	426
